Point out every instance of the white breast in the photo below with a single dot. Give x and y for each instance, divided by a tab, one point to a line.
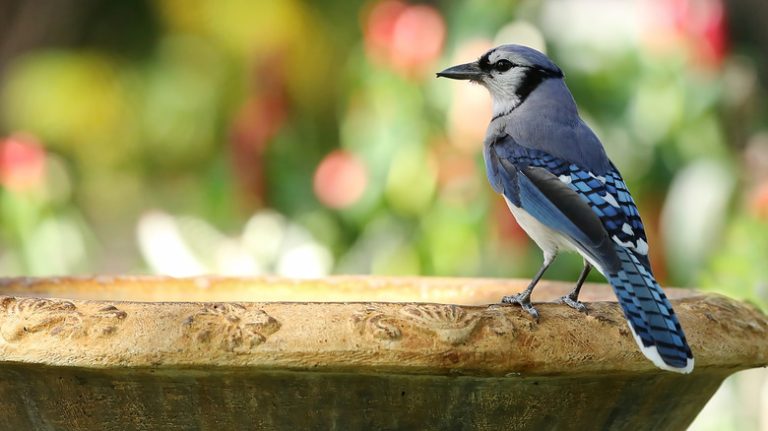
548	240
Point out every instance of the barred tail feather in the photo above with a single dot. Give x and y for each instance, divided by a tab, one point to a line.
650	315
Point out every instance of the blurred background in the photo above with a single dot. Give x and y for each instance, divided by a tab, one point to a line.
308	138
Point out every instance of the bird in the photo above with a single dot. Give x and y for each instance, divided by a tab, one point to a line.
567	195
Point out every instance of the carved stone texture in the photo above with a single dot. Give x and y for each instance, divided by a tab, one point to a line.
438	354
451	324
23	316
233	327
448	324
373	321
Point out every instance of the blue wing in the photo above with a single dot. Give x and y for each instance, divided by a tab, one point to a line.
605	193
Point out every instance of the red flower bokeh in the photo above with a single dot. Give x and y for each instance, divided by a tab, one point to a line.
22	163
700	25
340	179
408	38
759	202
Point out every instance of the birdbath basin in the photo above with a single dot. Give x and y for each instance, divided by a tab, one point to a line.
348	353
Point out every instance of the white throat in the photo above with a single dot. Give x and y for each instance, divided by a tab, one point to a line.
504	105
504	89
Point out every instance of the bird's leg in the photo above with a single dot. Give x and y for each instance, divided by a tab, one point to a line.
572	299
524	298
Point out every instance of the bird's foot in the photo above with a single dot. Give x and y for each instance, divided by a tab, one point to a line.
573	303
524	301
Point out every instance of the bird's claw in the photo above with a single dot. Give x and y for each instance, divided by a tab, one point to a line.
524	302
573	303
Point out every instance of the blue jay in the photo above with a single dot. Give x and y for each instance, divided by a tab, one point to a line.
567	195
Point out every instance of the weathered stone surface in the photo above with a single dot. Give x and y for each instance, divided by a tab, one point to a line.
161	353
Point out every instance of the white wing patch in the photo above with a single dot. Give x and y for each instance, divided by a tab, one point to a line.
640	246
627	244
611	200
597	177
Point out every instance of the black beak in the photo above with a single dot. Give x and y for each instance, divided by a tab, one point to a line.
470	71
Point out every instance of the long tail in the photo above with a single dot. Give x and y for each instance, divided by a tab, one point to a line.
650	315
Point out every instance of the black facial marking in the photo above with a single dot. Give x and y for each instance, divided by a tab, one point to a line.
532	78
532	75
485	63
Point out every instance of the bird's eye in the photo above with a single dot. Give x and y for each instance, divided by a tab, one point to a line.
502	65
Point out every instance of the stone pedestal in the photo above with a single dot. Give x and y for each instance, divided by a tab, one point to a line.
348	353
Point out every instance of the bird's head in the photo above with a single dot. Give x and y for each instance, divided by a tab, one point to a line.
509	72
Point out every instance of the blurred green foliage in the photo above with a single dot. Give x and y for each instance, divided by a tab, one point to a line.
307	138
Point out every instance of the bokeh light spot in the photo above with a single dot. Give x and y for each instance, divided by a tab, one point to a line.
22	163
407	38
340	179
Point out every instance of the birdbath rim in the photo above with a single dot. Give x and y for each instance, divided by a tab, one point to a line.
407	325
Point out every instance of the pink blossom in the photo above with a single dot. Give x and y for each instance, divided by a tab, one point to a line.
408	38
340	179
22	163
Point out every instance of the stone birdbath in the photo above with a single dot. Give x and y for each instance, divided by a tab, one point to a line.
347	353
